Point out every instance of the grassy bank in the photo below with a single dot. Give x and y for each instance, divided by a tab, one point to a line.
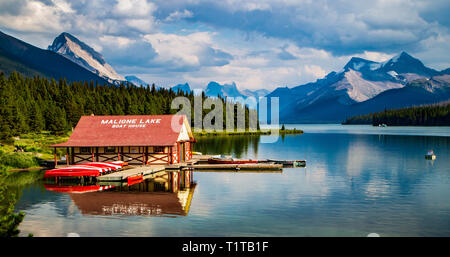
250	133
28	150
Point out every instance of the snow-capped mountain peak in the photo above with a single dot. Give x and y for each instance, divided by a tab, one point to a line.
405	63
331	97
358	64
75	50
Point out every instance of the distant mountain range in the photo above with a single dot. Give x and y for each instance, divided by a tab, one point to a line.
363	86
214	89
16	55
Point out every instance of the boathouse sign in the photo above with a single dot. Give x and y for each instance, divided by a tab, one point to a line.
129	123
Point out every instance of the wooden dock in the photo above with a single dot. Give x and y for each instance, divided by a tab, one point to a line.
241	171
246	166
132	172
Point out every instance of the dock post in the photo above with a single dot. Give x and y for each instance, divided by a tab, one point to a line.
56	159
67	156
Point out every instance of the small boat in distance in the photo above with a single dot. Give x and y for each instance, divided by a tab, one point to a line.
382	125
430	155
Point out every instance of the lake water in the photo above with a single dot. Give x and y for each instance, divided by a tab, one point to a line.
358	180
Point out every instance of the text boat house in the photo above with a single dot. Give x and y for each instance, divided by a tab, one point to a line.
136	139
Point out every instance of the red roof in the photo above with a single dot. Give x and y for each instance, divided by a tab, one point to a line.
130	130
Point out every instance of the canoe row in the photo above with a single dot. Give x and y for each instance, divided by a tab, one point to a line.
94	169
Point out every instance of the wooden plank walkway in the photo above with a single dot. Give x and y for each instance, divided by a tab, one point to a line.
241	171
124	174
246	166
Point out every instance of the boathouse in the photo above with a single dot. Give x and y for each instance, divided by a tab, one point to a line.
136	139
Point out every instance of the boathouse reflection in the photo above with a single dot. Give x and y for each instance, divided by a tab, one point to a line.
165	193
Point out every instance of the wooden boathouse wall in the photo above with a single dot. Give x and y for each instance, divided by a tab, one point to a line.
137	155
178	150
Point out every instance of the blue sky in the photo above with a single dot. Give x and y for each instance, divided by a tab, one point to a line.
256	43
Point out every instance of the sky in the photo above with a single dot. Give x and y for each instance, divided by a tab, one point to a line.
256	43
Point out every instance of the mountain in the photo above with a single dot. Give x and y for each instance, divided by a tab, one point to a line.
333	97
417	92
406	64
182	87
73	49
135	80
16	55
214	89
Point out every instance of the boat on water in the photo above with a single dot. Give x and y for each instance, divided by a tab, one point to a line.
229	160
430	155
294	163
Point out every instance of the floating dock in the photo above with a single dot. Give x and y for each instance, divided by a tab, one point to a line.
132	174
246	166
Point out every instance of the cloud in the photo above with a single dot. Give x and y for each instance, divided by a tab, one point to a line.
27	16
122	51
341	27
177	15
134	8
186	52
256	43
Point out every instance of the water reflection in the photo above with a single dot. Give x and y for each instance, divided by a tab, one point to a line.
353	185
159	194
238	146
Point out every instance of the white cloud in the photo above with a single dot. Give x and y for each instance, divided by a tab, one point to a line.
315	70
31	17
177	15
116	41
256	43
374	56
184	51
134	8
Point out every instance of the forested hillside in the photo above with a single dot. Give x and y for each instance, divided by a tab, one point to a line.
36	104
429	115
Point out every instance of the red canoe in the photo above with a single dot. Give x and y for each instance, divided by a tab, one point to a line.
65	173
94	169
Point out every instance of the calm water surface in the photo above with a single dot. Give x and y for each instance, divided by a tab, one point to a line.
358	180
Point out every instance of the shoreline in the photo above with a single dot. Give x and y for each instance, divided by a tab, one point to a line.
249	133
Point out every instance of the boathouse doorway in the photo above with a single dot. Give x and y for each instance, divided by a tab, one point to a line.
182	152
